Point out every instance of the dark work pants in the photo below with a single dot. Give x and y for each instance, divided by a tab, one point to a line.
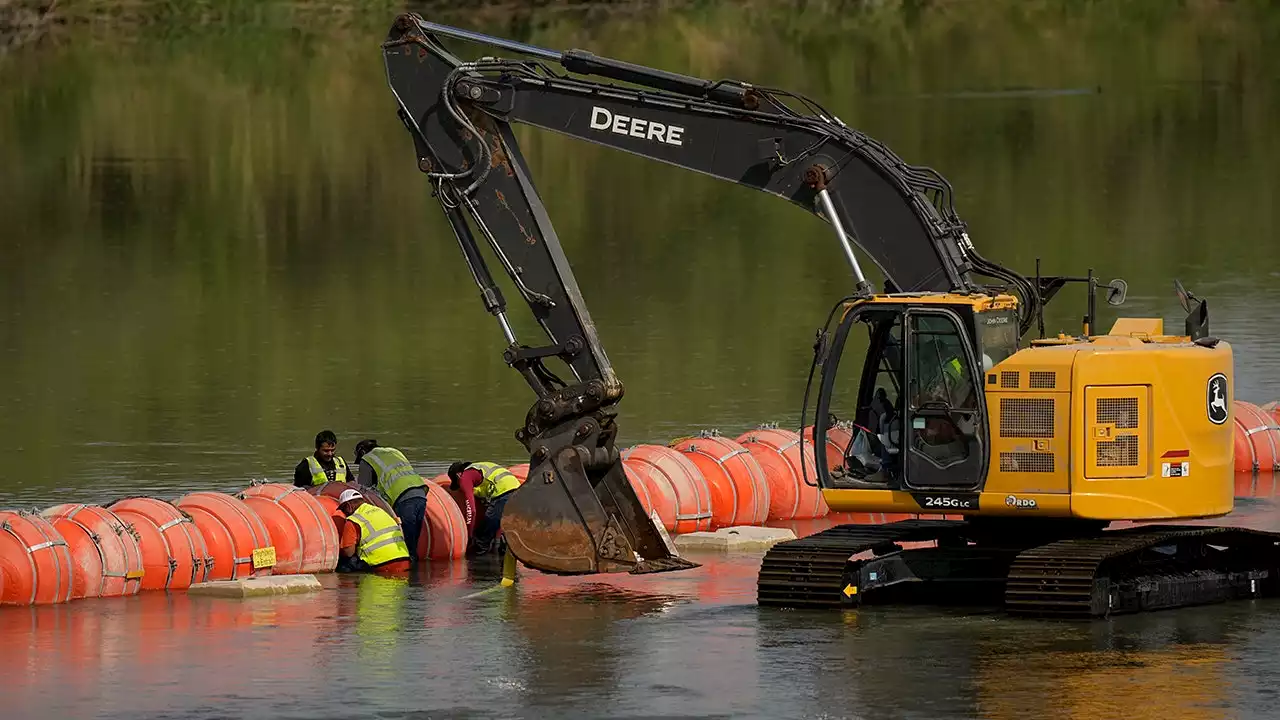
412	512
489	524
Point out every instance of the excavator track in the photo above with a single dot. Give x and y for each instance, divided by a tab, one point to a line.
1110	572
1141	569
811	572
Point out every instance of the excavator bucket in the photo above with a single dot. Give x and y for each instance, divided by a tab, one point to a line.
569	520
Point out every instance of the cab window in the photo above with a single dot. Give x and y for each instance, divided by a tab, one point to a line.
997	336
940	367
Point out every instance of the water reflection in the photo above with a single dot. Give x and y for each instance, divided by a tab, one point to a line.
564	647
1176	666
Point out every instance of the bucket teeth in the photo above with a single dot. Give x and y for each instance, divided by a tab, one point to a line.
663	565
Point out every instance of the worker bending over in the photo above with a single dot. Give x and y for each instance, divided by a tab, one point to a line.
492	485
390	472
371	539
462	487
322	466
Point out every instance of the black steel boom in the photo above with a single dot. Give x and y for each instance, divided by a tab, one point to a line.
460	114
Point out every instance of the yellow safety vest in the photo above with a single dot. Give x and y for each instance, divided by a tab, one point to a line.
953	368
381	540
395	474
497	480
320	476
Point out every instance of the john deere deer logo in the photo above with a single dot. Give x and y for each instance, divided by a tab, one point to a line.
1218	399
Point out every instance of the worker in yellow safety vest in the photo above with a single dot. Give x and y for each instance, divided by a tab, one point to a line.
371	539
495	486
388	470
322	466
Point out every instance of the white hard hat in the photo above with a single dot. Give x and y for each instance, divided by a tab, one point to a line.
349	495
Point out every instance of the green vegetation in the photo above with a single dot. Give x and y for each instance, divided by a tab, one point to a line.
200	198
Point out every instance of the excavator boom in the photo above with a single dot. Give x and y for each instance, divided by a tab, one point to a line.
577	513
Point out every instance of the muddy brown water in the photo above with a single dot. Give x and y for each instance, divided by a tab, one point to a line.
196	222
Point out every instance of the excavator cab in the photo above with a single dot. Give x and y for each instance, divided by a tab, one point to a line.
911	395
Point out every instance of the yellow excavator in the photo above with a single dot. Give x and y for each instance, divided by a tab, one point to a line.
1040	446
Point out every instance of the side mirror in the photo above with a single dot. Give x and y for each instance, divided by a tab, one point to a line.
1197	322
1116	291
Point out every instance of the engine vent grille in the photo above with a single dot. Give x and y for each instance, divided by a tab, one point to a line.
1043	379
1117	444
1123	412
1009	379
1026	462
1121	452
1026	417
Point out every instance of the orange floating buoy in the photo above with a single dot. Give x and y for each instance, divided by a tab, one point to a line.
444	530
104	549
1273	409
34	560
442	479
670	483
174	553
330	504
739	491
839	438
319	546
1257	439
335	489
521	472
237	539
1255	485
779	454
654	498
286	536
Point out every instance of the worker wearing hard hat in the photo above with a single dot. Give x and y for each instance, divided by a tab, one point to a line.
493	490
371	539
322	466
390	472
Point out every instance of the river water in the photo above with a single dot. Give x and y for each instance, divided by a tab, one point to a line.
216	243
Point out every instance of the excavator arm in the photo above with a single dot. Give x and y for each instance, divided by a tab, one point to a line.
577	513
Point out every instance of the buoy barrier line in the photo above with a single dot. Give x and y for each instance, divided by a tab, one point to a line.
1255	485
745	492
248	543
780	455
1257	439
521	471
174	549
285	534
107	561
170	540
444	528
1273	409
49	551
641	488
672	476
839	437
318	538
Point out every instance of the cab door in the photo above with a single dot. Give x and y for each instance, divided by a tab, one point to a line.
945	425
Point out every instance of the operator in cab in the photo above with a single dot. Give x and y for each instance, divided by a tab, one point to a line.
388	470
322	466
371	539
492	486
